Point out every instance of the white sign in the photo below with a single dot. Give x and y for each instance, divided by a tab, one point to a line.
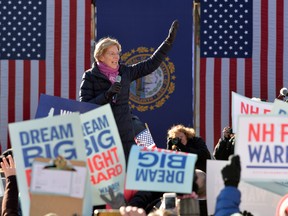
243	105
160	170
105	155
47	138
262	144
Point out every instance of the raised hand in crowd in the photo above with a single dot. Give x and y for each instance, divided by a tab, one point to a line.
231	173
8	166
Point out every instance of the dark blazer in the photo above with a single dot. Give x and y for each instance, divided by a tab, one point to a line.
94	85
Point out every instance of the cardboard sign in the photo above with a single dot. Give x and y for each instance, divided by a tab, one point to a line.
62	190
243	105
256	200
262	143
48	138
160	170
105	155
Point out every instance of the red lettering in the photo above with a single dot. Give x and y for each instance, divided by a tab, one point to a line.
268	132
244	108
28	176
255	131
254	110
266	111
103	160
106	174
284	131
101	177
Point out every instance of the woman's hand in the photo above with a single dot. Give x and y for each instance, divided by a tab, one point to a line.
172	32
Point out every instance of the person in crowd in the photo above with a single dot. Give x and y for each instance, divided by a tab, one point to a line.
225	146
201	182
107	81
229	198
181	138
10	204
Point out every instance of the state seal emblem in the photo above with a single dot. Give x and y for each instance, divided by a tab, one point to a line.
152	91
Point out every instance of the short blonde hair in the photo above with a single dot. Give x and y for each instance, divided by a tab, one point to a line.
102	46
189	132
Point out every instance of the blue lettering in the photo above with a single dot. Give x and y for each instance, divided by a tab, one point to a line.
86	128
161	175
270	154
64	148
267	155
88	149
24	138
141	174
282	112
65	132
149	157
180	177
34	136
254	152
278	153
104	141
98	124
30	153
177	161
54	133
162	161
44	134
103	122
169	176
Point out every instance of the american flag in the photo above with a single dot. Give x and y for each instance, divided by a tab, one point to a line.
44	48
145	139
243	49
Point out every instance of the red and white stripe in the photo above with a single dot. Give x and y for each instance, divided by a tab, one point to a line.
261	76
68	33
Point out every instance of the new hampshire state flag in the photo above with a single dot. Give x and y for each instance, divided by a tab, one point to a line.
165	97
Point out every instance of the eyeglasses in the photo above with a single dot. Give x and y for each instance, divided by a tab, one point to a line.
113	54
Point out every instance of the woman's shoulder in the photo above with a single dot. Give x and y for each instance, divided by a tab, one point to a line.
197	139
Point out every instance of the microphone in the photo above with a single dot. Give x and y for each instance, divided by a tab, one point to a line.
283	93
118	79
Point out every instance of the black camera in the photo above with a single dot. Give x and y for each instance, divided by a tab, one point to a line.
172	143
175	140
